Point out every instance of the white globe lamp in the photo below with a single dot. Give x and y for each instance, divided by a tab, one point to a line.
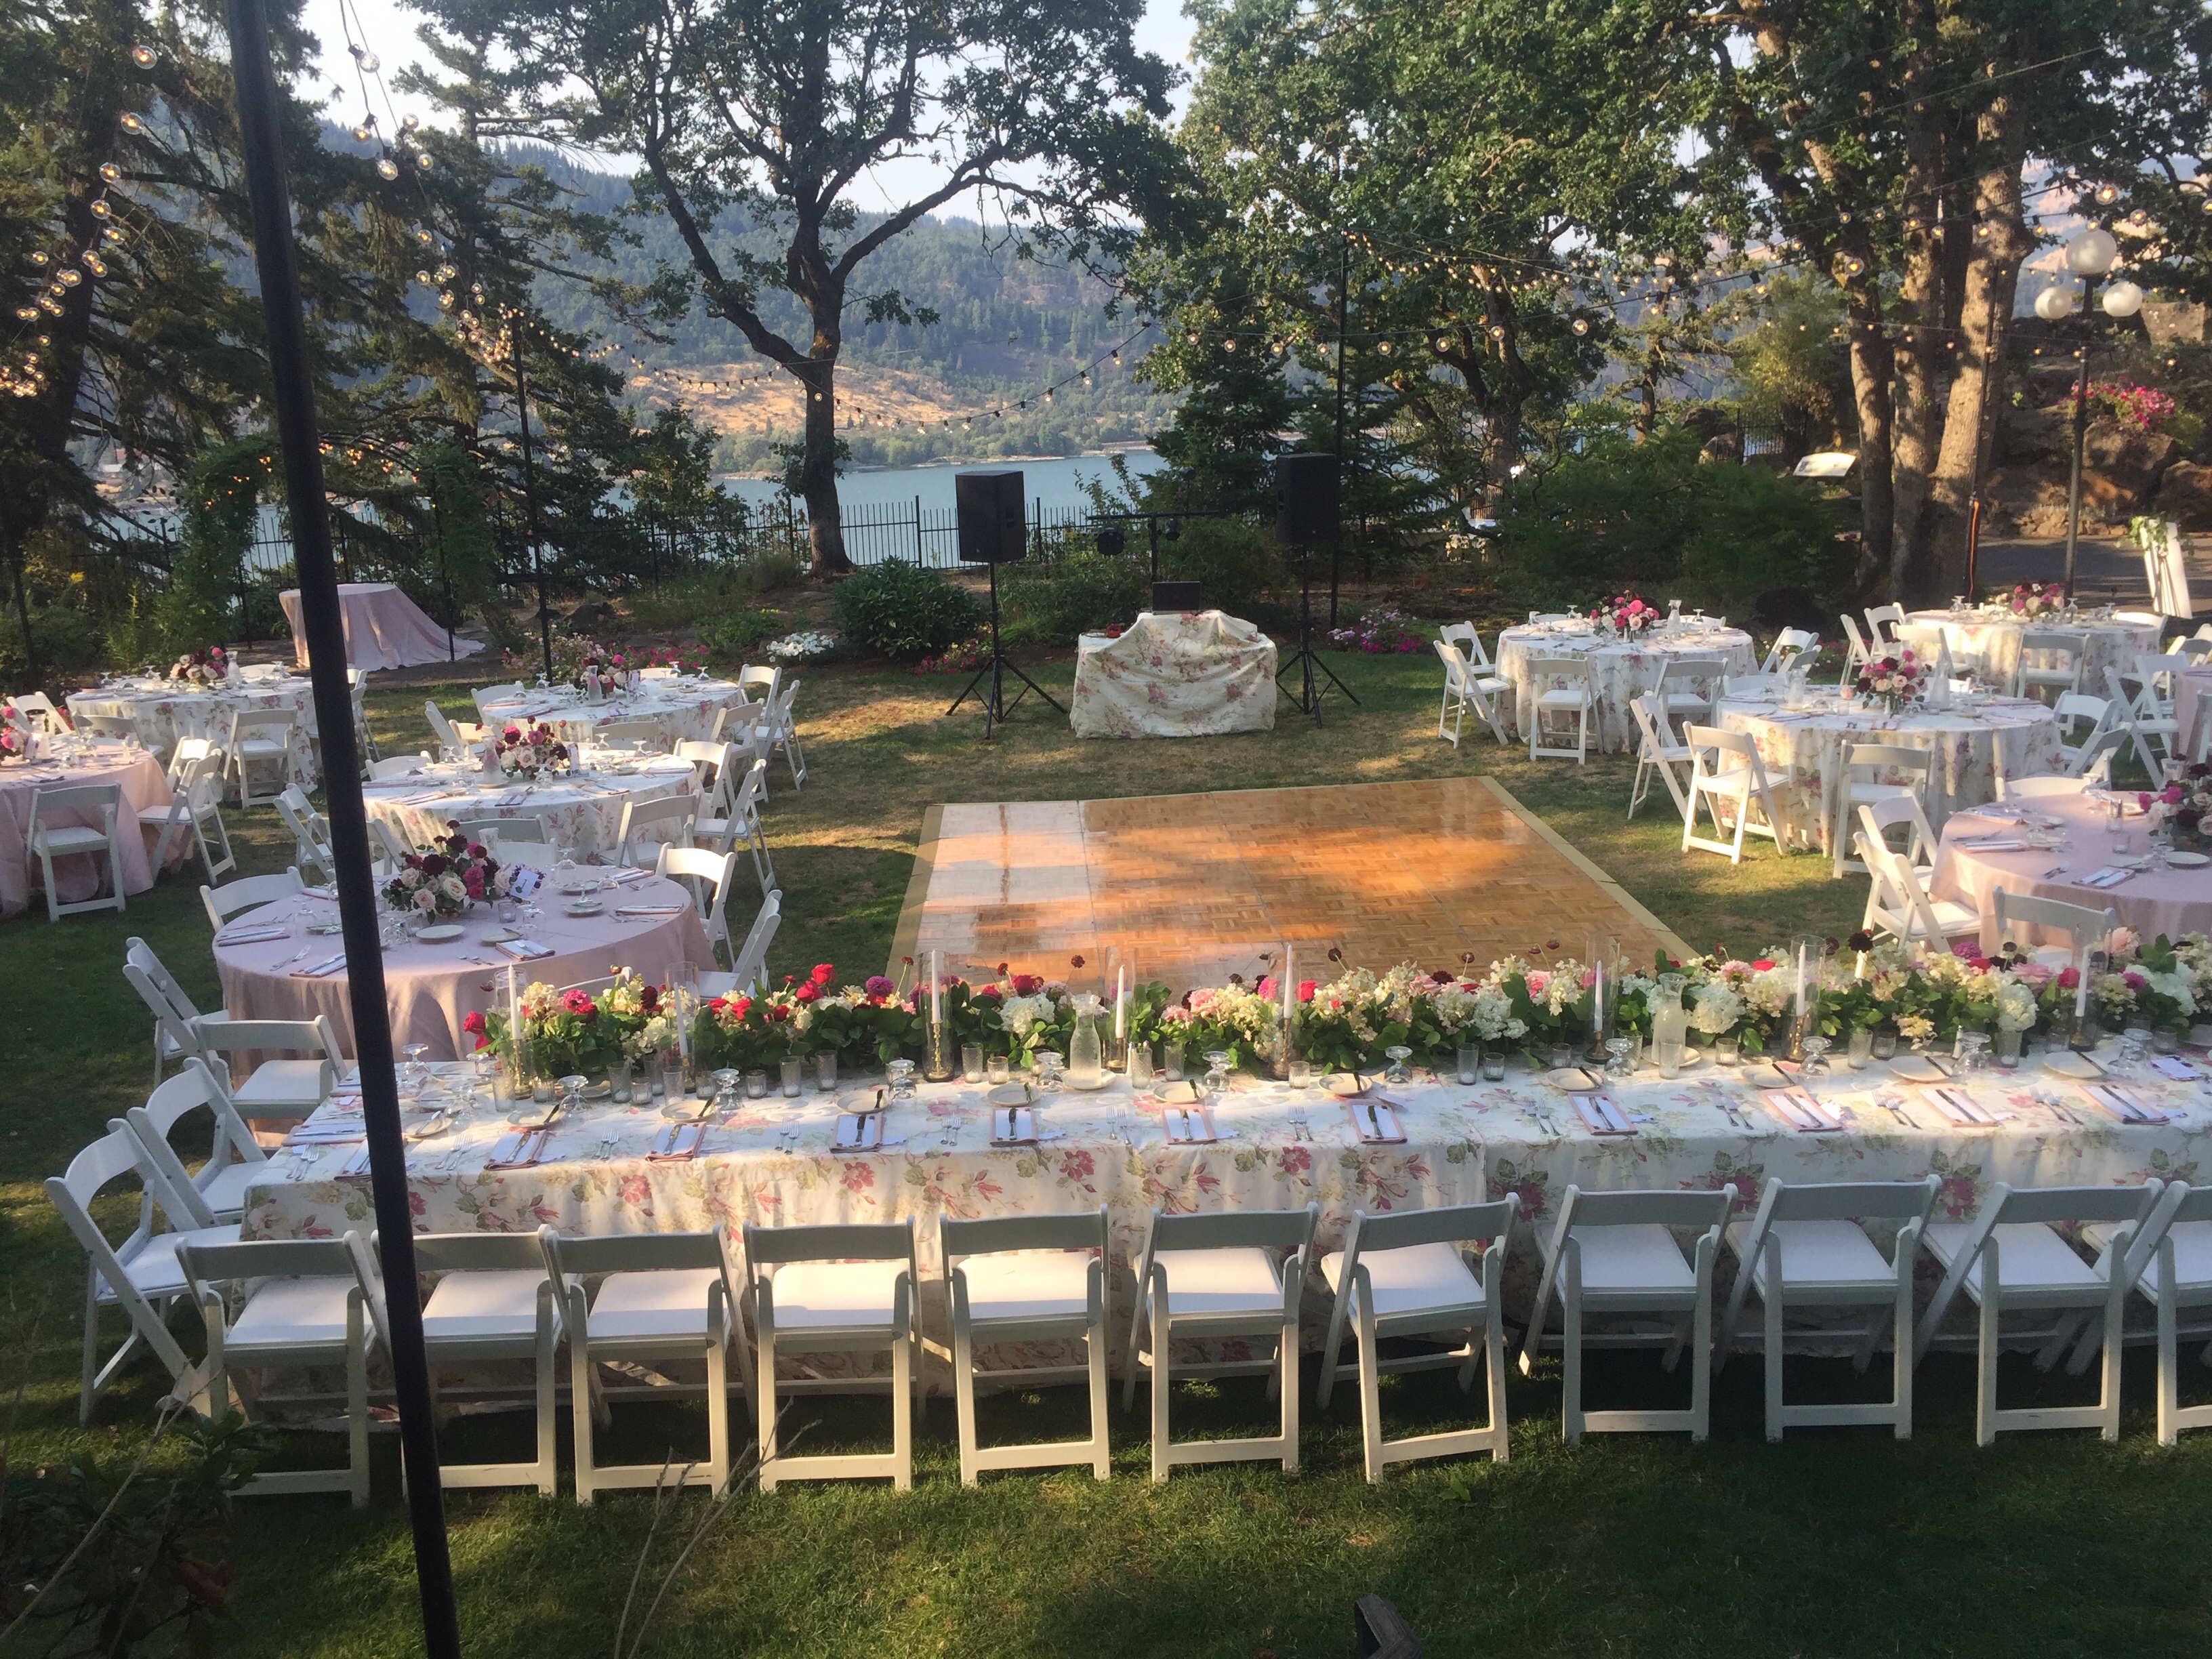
2092	252
2123	299
2055	303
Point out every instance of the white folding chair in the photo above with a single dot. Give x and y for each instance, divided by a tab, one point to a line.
396	766
1481	682
140	1275
1882	763
312	857
2038	676
234	1162
227	900
1807	1246
115	721
649	733
714	769
513	692
383	838
664	1297
2088	927
2143	718
767	682
313	1302
357	691
173	1010
1725	769
1898	904
1562	689
495	833
1457	694
1399	1275
451	733
538	854
282	1088
40	713
1882	623
261	736
1856	653
193	810
1789	644
1657	754
494	1301
750	974
841	1288
2012	1257
55	836
1230	1275
1612	1253
2174	1271
1688	687
709	876
669	817
1029	1278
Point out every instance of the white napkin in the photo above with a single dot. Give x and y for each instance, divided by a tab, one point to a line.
623	879
859	1132
517	1151
2107	876
677	1143
321	969
1800	1111
2174	1066
1601	1116
1956	1106
524	949
1009	1125
253	935
1990	843
2122	1104
323	1134
653	909
1188	1126
1375	1123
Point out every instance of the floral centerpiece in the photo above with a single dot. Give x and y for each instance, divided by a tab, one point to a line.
2033	601
1892	680
14	738
1626	614
576	1032
2186	804
571	654
205	666
684	659
529	751
444	878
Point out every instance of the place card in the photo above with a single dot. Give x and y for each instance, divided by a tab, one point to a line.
1375	1123
1800	1111
1955	1106
2123	1104
677	1143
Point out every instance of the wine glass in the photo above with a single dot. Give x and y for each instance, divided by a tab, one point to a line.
1216	1071
1616	1053
901	1076
1048	1062
726	1083
1396	1071
1816	1056
418	1074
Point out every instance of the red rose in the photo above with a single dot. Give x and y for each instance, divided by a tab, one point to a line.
823	973
1306	989
473	1025
1764	963
990	991
739	1008
807	993
1027	985
777	1010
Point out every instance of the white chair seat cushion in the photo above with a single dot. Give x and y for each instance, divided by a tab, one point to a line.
1640	1258
160	815
1201	1283
1863	791
1688	700
2192	1254
1816	1253
226	1191
1023	1285
1569	699
2030	1256
70	838
471	1306
154	1271
282	1083
260	747
1405	1281
837	1295
294	1313
637	1307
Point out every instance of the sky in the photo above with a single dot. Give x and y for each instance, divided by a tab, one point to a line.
390	28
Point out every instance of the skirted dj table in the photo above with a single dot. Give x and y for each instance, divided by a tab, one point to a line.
1175	674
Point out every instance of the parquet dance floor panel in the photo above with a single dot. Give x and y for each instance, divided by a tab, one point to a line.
1197	887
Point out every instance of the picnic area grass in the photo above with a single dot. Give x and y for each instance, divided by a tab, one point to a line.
1840	1541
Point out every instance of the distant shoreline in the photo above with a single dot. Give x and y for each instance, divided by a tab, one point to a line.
1133	446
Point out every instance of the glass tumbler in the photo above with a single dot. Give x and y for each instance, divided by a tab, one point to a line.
971	1062
825	1071
794	1075
1470	1063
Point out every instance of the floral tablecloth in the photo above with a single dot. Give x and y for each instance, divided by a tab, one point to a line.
2009	736
1175	675
1621	671
81	876
771	1163
685	706
583	811
384	629
166	710
1992	641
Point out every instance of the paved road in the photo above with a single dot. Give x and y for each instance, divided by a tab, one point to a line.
2106	571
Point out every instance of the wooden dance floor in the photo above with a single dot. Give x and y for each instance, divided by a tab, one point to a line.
1198	887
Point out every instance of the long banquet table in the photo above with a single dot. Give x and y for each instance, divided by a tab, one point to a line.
771	1163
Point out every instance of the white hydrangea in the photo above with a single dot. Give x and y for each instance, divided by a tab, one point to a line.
2016	1006
1017	1014
1714	1008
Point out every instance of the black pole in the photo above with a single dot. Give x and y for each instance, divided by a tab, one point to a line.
275	263
529	503
1343	447
1989	371
2081	440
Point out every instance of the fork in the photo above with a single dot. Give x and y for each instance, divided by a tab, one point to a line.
2055	870
1895	1107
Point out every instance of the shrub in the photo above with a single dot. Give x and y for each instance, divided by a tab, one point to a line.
773	569
69	641
1233	564
739	632
902	612
1054	603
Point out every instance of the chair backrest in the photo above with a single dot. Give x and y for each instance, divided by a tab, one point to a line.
1877	818
835	1241
1452	1223
200	783
1216	1230
1675	672
1895	757
2088	925
2073	706
1083	1230
1455	666
669	810
1876	615
396	766
1644	1209
1858	652
260	723
752	790
1701	739
479	1253
512	692
210	1265
2093	763
1854	1200
698	863
2051	641
648	732
2157	671
1650	720
769	680
1468	643
497	832
538	854
101	797
1574	671
138	956
39	712
751	964
440	728
2194	648
2038	788
2007	1206
284	1036
1788	645
631	1253
227	900
114	1155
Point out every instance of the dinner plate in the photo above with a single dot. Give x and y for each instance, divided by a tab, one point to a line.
2185	860
440	933
578	889
1345	1086
2067	1063
1010	1094
1914	1068
1575	1080
585	908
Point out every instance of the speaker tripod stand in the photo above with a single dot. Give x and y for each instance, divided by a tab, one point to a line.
995	706
1307	698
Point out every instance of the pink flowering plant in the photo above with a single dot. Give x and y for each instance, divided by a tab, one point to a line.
15	741
2137	408
444	878
1626	614
1383	632
205	666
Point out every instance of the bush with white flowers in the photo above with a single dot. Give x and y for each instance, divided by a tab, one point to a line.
807	646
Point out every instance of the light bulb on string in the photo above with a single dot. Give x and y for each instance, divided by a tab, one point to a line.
68	276
423	237
386	168
131	122
113	233
2107	194
1582	324
93	263
28	313
422	159
423	277
1443	343
100	209
110	172
38	256
142	54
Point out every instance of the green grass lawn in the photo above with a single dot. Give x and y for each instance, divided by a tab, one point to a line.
1835	1543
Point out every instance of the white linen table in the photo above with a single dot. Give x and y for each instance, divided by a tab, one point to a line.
2173	902
1175	674
685	706
583	809
384	629
167	709
431	989
1992	639
1461	1145
80	875
1621	671
2007	737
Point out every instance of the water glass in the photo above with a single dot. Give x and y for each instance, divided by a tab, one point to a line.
1301	1076
793	1069
756	1085
971	1062
1860	1049
1729	1050
825	1071
1470	1063
1141	1064
1171	1053
2135	1046
1669	1056
671	1078
1884	1045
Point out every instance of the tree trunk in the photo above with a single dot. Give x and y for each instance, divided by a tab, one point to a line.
818	476
1913	457
1870	377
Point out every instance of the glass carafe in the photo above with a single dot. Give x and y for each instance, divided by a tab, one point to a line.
1670	1025
1086	1064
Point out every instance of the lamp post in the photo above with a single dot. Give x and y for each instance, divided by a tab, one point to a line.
2088	256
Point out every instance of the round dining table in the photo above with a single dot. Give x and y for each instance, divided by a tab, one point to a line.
2085	866
1621	670
1975	746
1991	637
648	924
70	764
166	709
683	705
582	810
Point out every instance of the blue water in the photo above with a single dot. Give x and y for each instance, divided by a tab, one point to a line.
1056	483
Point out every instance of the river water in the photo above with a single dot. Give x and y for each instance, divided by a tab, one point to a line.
1056	482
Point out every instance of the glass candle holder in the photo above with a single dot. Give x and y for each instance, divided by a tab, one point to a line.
971	1062
1493	1066
1729	1050
1860	1049
1301	1074
1470	1063
1884	1045
1141	1064
794	1067
825	1071
1171	1058
756	1085
998	1069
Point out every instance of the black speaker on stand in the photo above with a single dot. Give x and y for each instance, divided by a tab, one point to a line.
1306	518
993	532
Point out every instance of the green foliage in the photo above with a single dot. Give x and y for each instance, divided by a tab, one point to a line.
68	640
902	612
467	555
1793	375
1233	564
732	635
1056	601
1653	515
222	497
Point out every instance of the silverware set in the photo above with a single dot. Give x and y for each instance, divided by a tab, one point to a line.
2050	1102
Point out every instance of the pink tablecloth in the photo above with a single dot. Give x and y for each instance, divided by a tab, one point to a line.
384	629
2154	902
432	987
144	784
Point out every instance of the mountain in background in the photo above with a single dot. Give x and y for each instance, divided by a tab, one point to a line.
1007	328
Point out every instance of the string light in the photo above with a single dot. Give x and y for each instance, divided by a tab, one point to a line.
143	56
